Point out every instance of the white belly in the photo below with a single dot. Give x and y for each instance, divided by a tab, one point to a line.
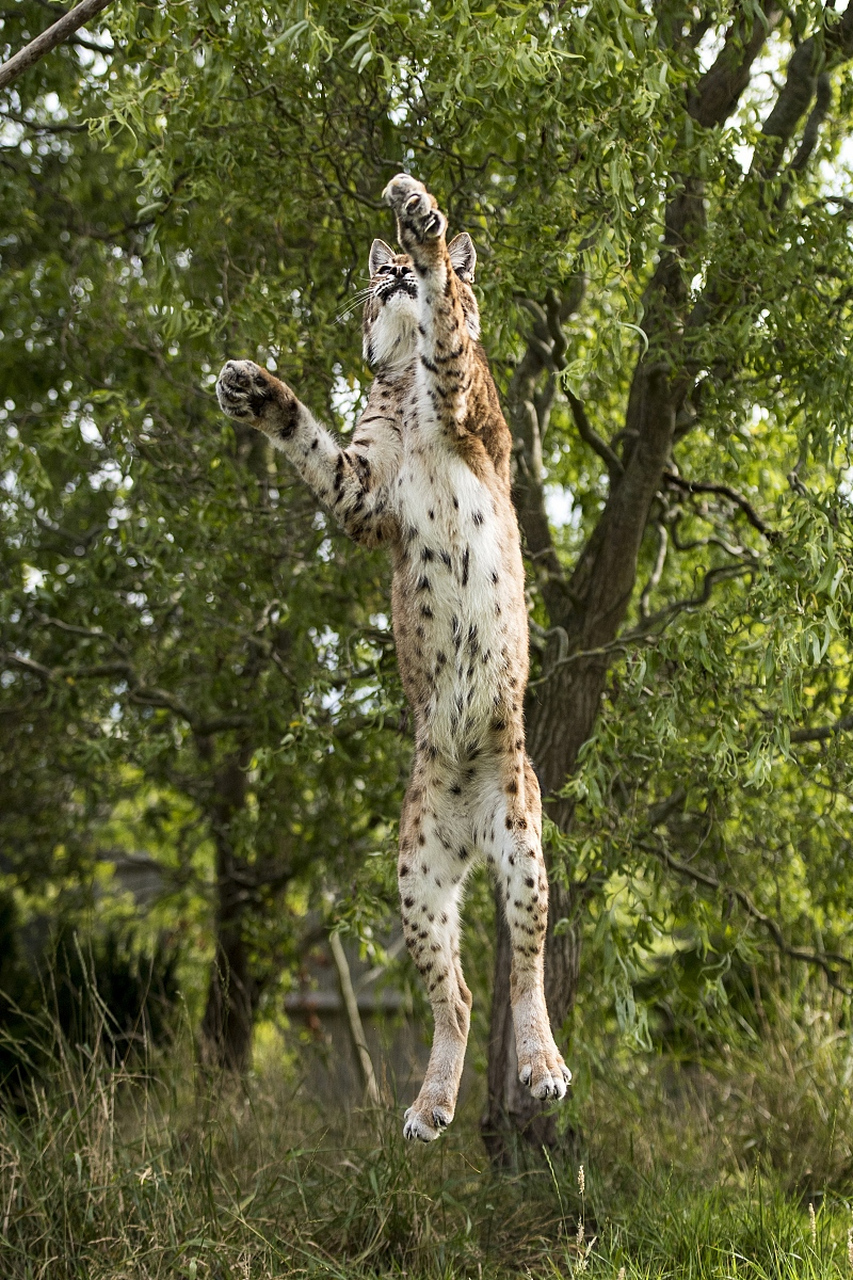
454	584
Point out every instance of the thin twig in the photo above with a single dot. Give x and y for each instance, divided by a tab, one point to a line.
657	571
356	1028
824	733
653	627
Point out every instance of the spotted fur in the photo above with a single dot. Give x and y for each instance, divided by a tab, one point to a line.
427	475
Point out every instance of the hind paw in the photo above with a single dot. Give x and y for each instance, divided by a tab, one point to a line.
425	1124
545	1074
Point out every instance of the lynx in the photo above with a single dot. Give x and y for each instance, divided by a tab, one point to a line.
428	476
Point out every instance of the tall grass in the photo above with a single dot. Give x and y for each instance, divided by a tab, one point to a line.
119	1171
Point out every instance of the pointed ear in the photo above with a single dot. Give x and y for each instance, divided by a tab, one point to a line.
463	256
380	253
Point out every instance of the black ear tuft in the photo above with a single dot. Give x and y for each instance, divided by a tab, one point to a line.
380	254
463	256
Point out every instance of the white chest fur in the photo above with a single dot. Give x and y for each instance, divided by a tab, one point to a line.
452	585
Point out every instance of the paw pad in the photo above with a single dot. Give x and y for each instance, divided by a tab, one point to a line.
242	389
418	217
425	1126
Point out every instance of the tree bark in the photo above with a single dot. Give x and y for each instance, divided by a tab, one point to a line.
49	39
226	1029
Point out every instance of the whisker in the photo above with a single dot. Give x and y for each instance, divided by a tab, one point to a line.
354	302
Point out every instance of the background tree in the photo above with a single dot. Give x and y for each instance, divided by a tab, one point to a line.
662	205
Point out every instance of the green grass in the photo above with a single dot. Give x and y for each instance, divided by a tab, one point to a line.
111	1174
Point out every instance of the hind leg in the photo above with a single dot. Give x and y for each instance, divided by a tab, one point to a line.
513	834
431	875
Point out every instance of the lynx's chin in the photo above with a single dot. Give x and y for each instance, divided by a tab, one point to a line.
391	335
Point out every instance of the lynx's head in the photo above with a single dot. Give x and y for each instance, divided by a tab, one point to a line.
390	325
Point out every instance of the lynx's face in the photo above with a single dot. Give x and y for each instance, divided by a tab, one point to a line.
390	326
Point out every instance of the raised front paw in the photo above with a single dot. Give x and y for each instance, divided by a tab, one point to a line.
243	389
545	1073
249	393
418	214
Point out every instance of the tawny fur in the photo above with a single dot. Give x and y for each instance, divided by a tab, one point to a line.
427	475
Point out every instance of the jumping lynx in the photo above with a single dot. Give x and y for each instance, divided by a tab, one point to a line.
427	474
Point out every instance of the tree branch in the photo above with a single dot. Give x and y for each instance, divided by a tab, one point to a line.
36	126
591	437
828	961
697	486
651	630
528	418
717	92
827	49
139	692
49	39
823	734
664	616
657	570
354	1023
823	101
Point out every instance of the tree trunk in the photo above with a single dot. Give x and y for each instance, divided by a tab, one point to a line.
226	1029
586	618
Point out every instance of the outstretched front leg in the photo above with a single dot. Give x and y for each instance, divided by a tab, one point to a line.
449	319
352	482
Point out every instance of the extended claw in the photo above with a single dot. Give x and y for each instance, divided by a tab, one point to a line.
547	1078
416	210
425	1128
